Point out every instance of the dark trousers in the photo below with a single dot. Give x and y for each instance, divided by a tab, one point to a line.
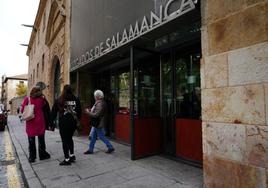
41	146
67	128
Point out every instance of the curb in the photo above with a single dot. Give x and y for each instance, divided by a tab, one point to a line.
29	176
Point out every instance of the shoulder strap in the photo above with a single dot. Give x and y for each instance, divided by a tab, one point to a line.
29	100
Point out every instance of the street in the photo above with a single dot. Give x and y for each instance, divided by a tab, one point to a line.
10	174
100	169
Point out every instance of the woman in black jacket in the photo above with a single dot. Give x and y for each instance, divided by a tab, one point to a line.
69	108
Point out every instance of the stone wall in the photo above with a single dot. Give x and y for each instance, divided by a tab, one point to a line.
16	102
50	41
10	88
234	74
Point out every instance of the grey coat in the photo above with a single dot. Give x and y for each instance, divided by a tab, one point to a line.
99	109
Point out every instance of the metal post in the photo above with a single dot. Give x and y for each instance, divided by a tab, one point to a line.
132	119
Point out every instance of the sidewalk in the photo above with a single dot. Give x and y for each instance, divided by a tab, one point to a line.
114	170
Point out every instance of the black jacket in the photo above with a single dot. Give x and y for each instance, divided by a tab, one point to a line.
71	106
46	111
99	110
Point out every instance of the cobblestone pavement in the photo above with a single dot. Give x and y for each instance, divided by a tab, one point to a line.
10	174
99	170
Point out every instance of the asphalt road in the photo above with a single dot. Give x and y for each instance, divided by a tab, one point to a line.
10	173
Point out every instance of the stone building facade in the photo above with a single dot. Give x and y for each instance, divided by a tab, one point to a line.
235	93
9	85
48	48
16	102
234	82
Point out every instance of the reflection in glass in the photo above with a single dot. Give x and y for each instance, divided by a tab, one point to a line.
167	85
188	94
124	93
148	92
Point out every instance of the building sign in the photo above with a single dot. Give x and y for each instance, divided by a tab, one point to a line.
135	31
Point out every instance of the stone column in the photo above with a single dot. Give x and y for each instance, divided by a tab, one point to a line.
234	74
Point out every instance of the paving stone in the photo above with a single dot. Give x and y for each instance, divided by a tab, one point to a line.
34	183
99	169
147	181
104	180
60	180
132	172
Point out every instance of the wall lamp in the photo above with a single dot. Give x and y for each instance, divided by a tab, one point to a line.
27	45
24	45
32	26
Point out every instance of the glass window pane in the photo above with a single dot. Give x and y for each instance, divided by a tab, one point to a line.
124	94
188	95
167	84
148	99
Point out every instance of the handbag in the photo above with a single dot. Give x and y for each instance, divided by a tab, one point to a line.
79	126
28	112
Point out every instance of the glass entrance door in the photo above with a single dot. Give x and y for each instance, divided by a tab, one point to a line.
146	128
168	112
181	104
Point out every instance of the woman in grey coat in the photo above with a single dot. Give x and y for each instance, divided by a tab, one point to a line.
99	113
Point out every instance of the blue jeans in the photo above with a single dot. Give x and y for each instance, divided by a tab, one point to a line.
99	132
91	132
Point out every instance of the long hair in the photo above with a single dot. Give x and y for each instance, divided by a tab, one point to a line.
66	94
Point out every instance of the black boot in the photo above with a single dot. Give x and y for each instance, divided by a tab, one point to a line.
43	154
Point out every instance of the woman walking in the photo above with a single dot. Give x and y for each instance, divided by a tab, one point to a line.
98	113
69	109
36	126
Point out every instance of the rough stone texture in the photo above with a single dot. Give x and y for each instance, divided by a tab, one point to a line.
266	28
248	65
58	46
257	145
204	41
235	93
224	140
216	71
224	173
244	143
202	73
222	8
242	29
266	178
239	105
252	2
266	102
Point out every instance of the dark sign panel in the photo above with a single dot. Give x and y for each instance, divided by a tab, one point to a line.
100	26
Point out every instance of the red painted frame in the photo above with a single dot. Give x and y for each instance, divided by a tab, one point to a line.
189	139
122	127
148	136
147	140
